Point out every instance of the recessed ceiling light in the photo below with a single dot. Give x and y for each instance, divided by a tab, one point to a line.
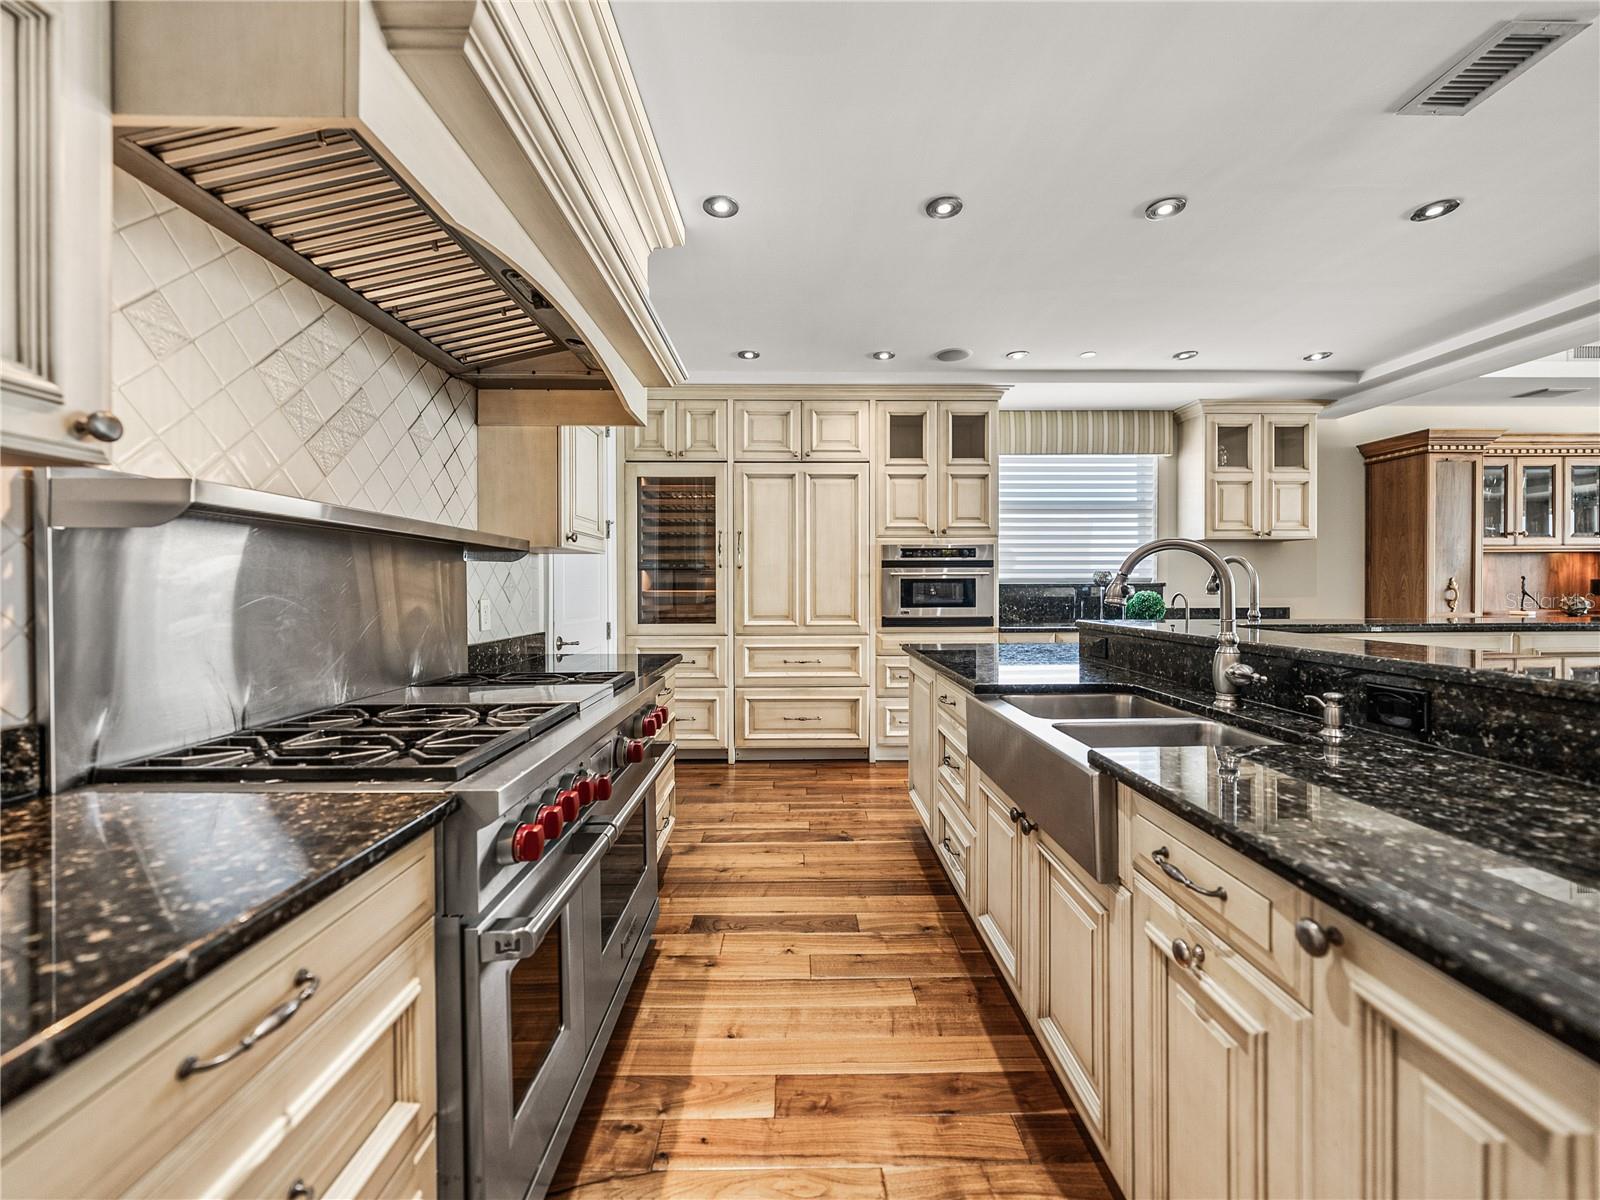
941	208
1167	206
749	354
1435	209
1016	354
721	206
1087	354
1319	356
1186	355
954	354
883	355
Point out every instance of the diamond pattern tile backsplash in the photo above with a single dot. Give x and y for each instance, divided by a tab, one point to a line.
225	368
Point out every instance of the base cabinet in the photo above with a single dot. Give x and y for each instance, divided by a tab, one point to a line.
997	902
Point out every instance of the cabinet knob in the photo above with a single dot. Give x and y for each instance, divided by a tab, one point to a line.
103	426
1316	939
1186	955
572	535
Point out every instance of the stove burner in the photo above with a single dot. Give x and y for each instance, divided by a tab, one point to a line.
224	752
515	714
337	749
335	718
617	679
432	715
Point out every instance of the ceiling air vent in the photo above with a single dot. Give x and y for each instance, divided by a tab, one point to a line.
1546	393
1592	350
1490	65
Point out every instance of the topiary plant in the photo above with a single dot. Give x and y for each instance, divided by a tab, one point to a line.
1145	606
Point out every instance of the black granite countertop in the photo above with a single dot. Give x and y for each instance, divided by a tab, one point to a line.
1488	872
112	901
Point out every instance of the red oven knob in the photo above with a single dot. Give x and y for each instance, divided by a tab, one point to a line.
549	819
648	726
585	788
662	716
567	798
602	786
527	843
633	751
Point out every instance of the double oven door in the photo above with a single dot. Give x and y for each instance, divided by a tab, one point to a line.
542	979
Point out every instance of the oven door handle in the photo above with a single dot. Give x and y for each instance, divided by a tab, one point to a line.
936	572
514	938
625	814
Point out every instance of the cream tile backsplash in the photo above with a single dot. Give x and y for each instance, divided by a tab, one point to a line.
225	368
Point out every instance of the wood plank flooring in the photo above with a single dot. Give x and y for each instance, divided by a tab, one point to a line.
818	1018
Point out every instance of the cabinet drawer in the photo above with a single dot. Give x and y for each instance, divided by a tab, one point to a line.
1257	910
126	1102
894	675
950	760
830	717
953	840
416	1176
700	719
894	722
804	661
949	701
705	660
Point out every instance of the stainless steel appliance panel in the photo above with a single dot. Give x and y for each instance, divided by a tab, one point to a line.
937	584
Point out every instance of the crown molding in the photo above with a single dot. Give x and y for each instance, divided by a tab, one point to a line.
542	98
834	391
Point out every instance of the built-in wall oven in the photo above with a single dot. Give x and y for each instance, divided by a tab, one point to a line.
937	584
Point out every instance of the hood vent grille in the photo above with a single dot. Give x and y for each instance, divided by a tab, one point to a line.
325	196
1490	65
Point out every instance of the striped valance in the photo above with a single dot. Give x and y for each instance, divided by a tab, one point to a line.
1084	431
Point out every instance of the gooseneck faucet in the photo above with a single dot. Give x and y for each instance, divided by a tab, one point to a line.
1228	674
1252	614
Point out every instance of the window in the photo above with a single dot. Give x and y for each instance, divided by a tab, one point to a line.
1066	516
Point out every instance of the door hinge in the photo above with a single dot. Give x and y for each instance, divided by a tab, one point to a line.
608	631
609	524
607	428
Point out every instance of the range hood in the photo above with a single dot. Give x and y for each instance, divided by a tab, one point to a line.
291	128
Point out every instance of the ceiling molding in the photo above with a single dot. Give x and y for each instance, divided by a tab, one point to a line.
836	391
546	89
1573	320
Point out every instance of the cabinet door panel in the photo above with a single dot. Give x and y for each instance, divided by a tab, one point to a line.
768	550
836	429
1582	502
905	501
584	487
1538	501
702	429
1289	508
905	433
654	440
821	717
700	719
998	904
766	430
1072	952
837	543
919	758
1233	506
967	502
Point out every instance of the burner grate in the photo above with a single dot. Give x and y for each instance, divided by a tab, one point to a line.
617	679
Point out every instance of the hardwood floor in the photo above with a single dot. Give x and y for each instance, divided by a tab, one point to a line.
817	1017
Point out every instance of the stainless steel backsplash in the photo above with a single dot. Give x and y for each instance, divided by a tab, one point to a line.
157	638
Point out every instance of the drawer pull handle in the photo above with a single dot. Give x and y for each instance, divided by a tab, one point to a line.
299	1190
943	699
1315	938
795	662
944	760
802	718
1173	873
271	1023
950	850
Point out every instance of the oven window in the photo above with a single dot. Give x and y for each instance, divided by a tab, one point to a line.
621	871
537	1011
938	593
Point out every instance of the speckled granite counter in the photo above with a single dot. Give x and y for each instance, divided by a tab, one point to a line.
112	901
1487	872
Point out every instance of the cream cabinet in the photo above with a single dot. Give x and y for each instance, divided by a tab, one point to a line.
808	661
919	756
690	430
336	1099
1248	470
545	483
938	475
55	265
790	718
997	897
700	718
787	430
801	541
1448	1096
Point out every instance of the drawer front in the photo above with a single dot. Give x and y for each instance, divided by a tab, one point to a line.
807	661
950	760
416	1176
953	842
700	719
1255	911
894	675
705	660
126	1102
823	717
894	722
949	701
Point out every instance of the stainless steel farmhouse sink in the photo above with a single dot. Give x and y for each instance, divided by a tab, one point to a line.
1036	747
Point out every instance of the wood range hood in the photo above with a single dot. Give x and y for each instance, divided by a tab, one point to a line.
292	130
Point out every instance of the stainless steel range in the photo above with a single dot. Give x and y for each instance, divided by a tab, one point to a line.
201	636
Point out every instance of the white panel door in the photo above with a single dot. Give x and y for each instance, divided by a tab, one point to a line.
583	599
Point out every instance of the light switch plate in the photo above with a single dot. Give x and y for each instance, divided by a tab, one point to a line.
485	613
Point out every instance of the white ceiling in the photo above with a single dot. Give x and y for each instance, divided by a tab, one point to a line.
832	124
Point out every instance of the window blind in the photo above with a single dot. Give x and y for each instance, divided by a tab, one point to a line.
1066	516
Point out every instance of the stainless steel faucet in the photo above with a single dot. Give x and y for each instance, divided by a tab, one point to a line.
1188	608
1252	614
1228	674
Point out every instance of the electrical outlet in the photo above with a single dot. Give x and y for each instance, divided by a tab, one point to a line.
485	613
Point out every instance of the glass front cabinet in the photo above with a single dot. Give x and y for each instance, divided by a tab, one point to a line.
1537	501
1251	473
677	548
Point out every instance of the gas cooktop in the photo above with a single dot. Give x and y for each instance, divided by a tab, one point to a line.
480	679
396	742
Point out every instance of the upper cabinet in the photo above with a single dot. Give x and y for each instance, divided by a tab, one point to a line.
55	256
546	483
937	473
785	430
1249	470
690	430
